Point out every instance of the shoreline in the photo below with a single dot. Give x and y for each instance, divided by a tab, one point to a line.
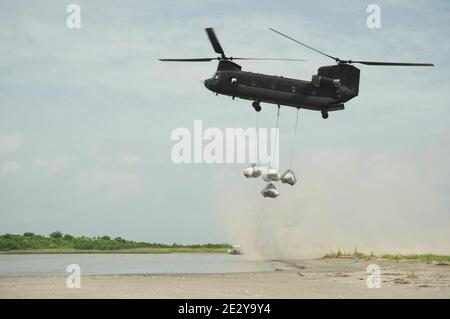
317	278
119	251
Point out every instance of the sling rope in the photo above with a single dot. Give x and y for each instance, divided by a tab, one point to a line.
293	139
276	136
257	138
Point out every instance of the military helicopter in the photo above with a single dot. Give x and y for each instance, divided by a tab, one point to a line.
327	91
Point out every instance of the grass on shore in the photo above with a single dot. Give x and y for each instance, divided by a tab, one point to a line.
359	255
421	257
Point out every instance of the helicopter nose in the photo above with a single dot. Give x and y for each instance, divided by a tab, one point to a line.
207	83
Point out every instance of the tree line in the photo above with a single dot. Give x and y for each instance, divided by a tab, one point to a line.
58	240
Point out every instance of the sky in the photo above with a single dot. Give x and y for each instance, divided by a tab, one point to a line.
86	117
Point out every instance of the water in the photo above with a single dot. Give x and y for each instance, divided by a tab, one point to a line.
121	264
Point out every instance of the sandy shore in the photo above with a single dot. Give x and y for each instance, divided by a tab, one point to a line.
321	278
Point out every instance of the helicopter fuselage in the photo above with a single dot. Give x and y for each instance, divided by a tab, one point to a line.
328	90
321	94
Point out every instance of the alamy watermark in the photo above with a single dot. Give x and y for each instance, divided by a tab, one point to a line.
374	18
374	279
230	145
74	279
73	21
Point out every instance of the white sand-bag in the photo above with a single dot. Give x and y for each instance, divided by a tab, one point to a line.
257	171
253	171
270	191
289	177
248	172
272	175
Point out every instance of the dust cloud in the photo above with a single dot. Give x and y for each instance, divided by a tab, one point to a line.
393	202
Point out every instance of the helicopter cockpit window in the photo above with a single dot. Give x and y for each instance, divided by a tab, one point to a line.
232	79
216	76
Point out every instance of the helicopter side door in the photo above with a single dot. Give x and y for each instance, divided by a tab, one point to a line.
230	82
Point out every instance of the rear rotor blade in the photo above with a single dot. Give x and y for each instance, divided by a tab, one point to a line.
305	45
215	43
390	63
188	60
350	61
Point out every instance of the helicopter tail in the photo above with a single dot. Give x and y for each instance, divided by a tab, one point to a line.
347	74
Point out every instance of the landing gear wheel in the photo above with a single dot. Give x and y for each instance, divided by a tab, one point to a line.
256	106
324	114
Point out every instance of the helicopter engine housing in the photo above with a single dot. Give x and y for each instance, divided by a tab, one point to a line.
348	74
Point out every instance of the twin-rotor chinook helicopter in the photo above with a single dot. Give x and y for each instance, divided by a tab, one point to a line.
327	91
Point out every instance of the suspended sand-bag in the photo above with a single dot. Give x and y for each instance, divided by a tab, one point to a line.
257	171
270	191
253	171
272	175
248	172
289	177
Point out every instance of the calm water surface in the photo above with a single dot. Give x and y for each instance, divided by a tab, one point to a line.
120	264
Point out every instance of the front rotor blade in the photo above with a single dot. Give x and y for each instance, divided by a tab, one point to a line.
188	60
305	45
215	43
267	59
391	63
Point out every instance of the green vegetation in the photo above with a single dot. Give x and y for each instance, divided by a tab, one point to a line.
359	255
349	254
424	257
58	243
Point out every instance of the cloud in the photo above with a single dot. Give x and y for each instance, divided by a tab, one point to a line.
111	184
386	202
69	90
130	160
9	143
55	165
10	168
